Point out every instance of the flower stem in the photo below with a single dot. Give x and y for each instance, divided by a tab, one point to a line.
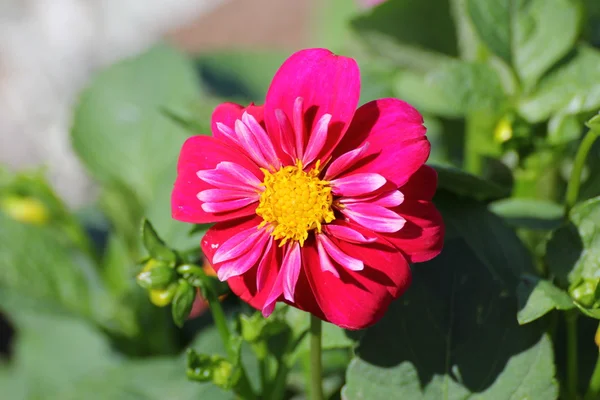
243	387
593	391
572	367
578	164
316	384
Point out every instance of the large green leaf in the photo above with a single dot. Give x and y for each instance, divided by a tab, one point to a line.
453	89
463	183
410	22
529	213
523	32
572	88
453	335
55	273
538	297
573	252
496	245
245	76
119	130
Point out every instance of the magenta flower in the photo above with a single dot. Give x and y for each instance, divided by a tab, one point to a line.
317	204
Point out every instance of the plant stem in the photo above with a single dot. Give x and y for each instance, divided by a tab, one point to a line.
316	378
572	367
243	387
593	391
578	164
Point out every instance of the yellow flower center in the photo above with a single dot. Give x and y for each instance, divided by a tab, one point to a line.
295	202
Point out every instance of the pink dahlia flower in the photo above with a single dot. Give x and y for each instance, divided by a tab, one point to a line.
316	204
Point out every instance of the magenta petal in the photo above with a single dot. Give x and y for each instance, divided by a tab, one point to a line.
317	140
390	199
325	262
326	83
250	144
299	128
374	217
263	140
396	136
344	161
230	175
357	184
286	135
226	206
250	253
292	262
338	255
214	195
262	272
237	245
347	234
204	153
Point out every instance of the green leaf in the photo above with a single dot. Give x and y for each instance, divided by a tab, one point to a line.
410	22
574	250
119	130
52	351
523	32
573	253
57	274
453	89
182	302
538	297
571	88
529	213
242	75
155	246
463	183
496	245
453	335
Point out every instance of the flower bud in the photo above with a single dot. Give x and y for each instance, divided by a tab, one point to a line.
182	302
585	293
157	277
25	209
163	297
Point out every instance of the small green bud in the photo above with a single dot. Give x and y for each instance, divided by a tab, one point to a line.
585	293
28	210
182	302
163	297
215	369
158	277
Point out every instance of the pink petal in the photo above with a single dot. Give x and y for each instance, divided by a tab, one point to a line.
292	262
227	206
325	262
286	280
421	185
286	135
204	153
357	184
396	136
317	139
344	161
391	198
227	113
338	255
347	234
237	245
299	129
214	195
264	142
243	263
422	237
263	268
374	217
228	132
327	84
250	144
230	175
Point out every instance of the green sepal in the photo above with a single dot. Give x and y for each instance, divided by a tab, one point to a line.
155	246
157	277
182	302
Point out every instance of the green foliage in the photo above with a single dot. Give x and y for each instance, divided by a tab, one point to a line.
523	32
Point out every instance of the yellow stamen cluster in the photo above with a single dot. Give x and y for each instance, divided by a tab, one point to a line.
295	202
